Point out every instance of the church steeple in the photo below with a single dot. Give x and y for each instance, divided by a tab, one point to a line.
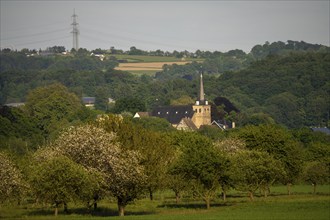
202	109
201	91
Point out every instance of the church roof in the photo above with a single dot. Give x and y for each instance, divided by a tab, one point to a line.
173	114
189	123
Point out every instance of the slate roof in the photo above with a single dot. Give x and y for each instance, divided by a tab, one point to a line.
323	130
190	124
88	100
173	114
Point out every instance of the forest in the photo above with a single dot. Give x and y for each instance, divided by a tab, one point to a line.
55	152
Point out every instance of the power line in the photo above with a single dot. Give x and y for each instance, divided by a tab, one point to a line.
41	41
34	34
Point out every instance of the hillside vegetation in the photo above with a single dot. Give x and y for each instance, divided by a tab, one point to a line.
287	82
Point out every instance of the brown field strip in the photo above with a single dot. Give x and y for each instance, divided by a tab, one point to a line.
146	66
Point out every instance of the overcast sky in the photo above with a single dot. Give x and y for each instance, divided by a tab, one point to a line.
165	25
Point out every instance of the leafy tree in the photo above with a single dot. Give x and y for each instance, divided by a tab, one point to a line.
96	149
58	180
177	184
17	125
228	147
317	173
184	100
52	106
12	184
132	105
279	143
255	170
201	165
154	124
154	148
101	98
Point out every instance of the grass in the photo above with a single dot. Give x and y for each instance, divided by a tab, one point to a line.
302	205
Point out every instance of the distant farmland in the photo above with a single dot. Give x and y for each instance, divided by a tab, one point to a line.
148	64
155	66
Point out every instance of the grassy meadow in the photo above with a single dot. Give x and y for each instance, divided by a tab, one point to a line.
301	205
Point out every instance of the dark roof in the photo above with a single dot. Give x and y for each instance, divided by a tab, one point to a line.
323	130
173	114
190	124
88	100
143	114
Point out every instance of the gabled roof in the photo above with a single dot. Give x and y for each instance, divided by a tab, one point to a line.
173	114
189	123
141	114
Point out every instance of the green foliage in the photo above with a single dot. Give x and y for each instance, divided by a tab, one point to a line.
154	124
58	180
254	170
317	173
279	143
132	105
52	107
98	150
17	126
12	184
201	165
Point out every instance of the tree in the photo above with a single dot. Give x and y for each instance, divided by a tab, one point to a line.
183	100
228	147
101	98
96	149
255	170
279	143
52	106
154	148
58	180
129	104
12	185
317	173
154	124
201	165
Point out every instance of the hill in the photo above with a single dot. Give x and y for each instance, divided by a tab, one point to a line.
288	82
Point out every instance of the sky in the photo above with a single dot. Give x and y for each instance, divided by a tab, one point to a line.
165	25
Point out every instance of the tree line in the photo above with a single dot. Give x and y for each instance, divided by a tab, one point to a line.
285	83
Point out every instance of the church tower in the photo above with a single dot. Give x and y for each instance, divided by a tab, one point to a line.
202	109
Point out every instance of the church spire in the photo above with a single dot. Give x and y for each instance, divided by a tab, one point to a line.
201	90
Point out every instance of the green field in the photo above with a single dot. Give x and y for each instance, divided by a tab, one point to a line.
301	205
143	59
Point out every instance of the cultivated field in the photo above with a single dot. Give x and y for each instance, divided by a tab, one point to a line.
301	205
147	66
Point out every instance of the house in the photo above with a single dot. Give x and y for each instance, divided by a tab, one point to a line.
88	101
15	104
186	117
141	114
324	130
